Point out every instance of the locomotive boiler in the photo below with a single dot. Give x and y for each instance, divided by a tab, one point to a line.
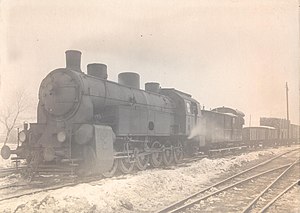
93	124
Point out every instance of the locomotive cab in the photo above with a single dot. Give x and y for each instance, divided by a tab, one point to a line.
188	125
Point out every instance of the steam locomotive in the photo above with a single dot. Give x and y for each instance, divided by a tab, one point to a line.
89	123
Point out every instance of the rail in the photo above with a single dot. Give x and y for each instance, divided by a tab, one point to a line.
250	205
278	196
173	206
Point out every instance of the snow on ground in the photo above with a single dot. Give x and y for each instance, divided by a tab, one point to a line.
145	191
4	163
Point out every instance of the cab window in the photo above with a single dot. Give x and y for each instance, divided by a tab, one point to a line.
188	107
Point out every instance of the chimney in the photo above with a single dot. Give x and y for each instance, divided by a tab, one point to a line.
73	60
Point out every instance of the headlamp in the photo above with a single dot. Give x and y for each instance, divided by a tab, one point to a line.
22	136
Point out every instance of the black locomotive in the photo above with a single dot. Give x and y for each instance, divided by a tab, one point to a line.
95	125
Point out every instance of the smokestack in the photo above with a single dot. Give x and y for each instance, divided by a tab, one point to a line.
73	60
97	70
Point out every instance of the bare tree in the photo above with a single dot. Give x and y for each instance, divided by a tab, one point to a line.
11	111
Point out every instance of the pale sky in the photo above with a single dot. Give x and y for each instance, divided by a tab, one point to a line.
236	53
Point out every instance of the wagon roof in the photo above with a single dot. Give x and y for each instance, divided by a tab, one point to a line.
184	95
259	127
229	110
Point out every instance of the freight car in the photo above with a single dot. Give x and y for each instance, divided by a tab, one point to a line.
287	133
93	124
273	131
294	133
260	136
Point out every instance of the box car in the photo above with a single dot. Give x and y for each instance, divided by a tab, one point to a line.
260	135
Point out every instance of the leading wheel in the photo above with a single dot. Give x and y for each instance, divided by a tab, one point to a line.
112	171
87	167
126	165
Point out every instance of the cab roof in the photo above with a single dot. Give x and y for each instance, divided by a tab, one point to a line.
183	95
229	110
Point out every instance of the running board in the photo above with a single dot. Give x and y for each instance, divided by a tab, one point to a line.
228	149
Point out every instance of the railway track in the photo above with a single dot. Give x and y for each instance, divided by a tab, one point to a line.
34	188
188	204
30	189
260	202
213	154
283	192
8	171
5	172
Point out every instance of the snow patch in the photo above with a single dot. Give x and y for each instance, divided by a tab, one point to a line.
141	192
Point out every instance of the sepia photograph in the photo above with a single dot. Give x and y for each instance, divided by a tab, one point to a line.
149	106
